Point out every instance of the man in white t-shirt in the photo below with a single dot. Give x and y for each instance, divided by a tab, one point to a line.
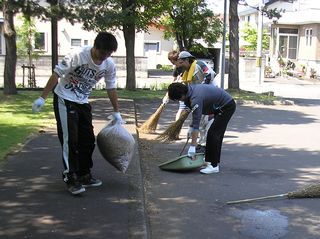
72	82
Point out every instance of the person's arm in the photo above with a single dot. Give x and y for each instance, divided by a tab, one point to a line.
53	80
113	96
40	102
194	137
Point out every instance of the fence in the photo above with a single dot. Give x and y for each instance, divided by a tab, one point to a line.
38	74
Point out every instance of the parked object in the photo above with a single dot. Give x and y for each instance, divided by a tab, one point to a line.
116	145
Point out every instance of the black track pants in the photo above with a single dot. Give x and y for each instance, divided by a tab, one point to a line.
216	133
75	132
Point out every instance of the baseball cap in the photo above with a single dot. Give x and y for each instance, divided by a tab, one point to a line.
185	54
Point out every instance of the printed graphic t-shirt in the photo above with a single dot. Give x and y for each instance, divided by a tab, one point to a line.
79	74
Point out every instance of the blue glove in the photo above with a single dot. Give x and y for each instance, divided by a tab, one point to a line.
192	151
117	118
38	104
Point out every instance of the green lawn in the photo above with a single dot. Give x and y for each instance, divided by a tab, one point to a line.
17	122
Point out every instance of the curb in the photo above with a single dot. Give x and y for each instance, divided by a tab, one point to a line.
266	102
144	220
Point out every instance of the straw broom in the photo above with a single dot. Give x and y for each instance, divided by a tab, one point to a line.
150	125
172	132
311	191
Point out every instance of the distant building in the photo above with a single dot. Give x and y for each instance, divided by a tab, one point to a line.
295	36
151	49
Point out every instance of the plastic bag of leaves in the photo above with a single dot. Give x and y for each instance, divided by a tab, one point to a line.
116	145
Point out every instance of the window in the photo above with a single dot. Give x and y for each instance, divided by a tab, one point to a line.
288	30
39	41
85	42
75	42
152	46
288	46
308	34
288	42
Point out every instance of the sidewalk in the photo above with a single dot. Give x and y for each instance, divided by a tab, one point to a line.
267	150
34	202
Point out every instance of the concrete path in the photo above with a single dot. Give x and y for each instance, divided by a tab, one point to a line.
34	202
267	150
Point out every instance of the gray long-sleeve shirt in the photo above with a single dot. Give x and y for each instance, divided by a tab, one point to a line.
208	98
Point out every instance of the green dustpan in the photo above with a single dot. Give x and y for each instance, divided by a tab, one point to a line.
183	163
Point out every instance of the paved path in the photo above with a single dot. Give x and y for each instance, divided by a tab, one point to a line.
34	202
267	150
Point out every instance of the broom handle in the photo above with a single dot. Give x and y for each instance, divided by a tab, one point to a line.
257	199
184	146
193	109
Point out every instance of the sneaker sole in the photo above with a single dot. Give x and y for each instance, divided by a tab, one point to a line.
209	172
91	185
78	191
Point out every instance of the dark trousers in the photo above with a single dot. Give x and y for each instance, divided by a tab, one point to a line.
216	133
76	135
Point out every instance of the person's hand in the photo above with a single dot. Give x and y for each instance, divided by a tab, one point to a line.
38	104
165	99
117	118
189	134
192	151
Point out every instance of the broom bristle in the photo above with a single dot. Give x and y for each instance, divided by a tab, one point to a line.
312	191
172	132
150	125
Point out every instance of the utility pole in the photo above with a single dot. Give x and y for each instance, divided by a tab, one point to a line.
223	50
259	43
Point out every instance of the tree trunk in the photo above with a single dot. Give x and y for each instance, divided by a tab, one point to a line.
129	37
9	83
54	37
233	79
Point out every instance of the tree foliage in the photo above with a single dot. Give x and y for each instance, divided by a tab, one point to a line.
28	8
26	35
250	35
129	16
188	21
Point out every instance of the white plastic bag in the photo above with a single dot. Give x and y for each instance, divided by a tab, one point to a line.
116	145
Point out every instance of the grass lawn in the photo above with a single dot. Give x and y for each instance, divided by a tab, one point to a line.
17	122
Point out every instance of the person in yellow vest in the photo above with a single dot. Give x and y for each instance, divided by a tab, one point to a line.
197	72
177	74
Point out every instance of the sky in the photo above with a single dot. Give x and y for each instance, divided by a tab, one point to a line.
217	5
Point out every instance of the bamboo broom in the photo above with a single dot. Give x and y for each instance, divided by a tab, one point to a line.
150	125
172	132
311	191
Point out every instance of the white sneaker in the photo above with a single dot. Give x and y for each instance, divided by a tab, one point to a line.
205	164
209	169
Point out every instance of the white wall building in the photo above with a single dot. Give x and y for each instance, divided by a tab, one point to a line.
150	47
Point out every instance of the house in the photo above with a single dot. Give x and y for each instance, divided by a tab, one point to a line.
295	36
151	49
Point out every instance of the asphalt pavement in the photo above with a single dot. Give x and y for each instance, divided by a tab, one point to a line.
268	149
34	201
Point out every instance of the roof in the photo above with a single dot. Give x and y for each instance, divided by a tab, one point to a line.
269	2
308	16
